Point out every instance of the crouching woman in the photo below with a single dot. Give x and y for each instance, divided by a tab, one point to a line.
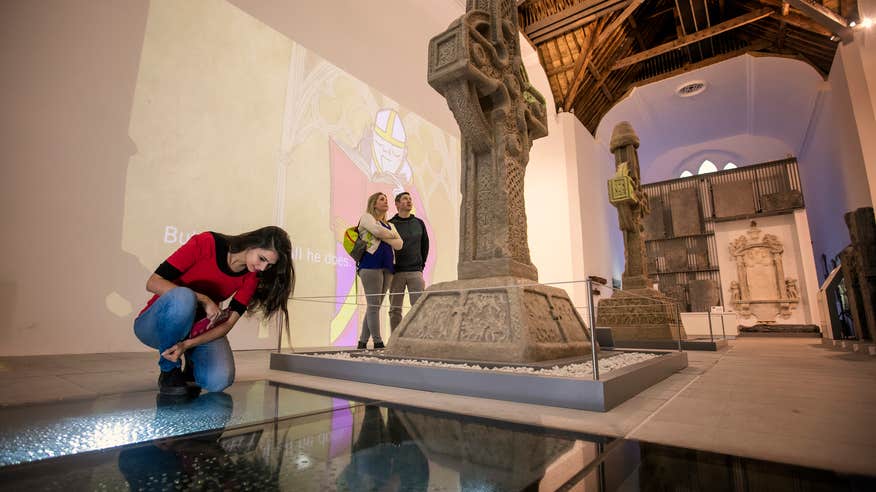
183	319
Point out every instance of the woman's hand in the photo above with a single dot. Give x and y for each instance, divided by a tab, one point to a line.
174	353
210	307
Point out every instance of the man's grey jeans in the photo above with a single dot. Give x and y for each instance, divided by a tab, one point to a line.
400	280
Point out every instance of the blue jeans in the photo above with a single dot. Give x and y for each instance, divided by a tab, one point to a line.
168	321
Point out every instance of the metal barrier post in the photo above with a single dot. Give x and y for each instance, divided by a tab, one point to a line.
709	314
724	333
280	335
678	320
592	313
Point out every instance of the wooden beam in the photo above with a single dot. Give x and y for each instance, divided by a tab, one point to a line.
571	18
595	39
578	73
756	46
797	20
600	80
616	46
618	21
693	38
831	21
636	33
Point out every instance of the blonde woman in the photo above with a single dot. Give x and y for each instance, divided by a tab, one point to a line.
376	265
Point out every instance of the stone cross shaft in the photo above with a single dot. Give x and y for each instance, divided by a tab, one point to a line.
625	193
475	64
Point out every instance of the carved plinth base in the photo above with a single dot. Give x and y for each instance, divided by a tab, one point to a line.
499	319
639	314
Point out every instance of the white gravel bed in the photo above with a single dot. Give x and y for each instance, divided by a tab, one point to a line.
581	370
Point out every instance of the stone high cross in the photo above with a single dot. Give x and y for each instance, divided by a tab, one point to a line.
476	65
625	193
495	312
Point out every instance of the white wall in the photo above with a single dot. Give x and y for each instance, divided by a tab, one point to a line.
66	147
549	197
859	65
795	259
741	150
832	167
602	243
69	72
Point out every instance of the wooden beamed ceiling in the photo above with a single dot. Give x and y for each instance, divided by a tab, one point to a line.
595	51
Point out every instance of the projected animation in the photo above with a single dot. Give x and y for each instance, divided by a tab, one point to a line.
378	163
235	125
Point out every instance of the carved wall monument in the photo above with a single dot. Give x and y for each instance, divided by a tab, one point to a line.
494	312
637	312
761	289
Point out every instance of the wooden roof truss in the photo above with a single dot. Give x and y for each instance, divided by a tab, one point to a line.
595	51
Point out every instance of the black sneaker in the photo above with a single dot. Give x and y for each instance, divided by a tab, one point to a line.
379	345
188	371
172	383
362	345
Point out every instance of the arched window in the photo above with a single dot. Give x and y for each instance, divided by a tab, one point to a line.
729	165
686	174
707	167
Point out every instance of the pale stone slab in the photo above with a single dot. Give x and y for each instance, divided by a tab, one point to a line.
733	199
783	200
675	252
655	227
685	208
703	295
699	249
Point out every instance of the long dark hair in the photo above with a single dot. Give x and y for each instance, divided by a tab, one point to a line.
277	283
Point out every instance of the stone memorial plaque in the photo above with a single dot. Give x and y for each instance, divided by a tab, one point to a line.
655	227
676	255
703	295
733	199
684	205
783	200
700	251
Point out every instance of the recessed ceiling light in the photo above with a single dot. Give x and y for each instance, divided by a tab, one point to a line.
691	88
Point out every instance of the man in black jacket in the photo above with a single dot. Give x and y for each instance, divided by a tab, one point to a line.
410	260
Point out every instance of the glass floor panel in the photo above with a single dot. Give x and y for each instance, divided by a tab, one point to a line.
46	430
304	441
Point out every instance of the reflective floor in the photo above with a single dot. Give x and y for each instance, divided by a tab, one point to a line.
264	436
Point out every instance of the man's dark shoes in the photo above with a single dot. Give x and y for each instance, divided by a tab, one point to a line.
379	345
361	345
172	383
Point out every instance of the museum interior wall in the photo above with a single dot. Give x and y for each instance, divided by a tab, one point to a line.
99	154
96	148
832	166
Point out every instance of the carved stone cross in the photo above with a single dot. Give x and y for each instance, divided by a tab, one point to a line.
625	193
495	311
476	65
